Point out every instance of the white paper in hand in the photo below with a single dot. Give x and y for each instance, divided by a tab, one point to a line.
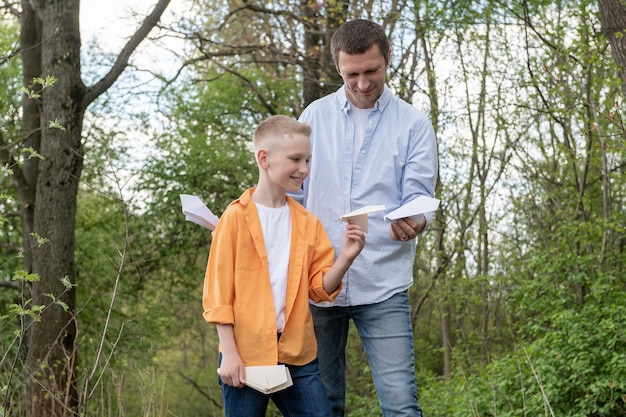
196	211
268	379
360	216
420	205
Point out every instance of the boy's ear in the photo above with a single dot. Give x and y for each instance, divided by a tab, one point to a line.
261	157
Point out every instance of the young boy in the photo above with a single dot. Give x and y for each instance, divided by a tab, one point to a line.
268	257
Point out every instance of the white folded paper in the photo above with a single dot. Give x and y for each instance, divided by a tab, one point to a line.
360	216
268	379
196	211
415	207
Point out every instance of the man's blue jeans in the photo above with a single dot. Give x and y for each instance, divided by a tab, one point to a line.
305	398
386	332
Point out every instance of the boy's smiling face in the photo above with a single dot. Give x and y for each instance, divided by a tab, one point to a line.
287	161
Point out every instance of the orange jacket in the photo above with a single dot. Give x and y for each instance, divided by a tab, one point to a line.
237	287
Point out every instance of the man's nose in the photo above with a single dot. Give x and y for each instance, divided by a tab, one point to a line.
363	82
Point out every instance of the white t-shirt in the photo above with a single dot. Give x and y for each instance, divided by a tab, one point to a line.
359	118
276	225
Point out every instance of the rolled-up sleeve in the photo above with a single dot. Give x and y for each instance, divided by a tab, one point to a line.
323	255
219	281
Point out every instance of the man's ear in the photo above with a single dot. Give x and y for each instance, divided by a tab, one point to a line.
261	157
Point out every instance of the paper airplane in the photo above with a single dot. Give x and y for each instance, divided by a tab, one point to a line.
268	379
360	216
196	211
420	205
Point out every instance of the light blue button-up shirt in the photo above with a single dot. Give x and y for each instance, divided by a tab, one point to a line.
396	163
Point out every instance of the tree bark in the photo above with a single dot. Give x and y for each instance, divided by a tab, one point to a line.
51	350
320	75
613	20
25	179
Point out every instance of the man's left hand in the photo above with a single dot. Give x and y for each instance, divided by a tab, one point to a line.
407	228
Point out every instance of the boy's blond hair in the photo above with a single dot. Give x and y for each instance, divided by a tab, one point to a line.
278	126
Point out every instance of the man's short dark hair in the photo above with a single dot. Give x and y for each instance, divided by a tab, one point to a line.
356	37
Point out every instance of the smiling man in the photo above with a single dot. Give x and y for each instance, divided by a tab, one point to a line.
369	148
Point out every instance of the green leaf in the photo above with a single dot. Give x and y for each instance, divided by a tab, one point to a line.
22	275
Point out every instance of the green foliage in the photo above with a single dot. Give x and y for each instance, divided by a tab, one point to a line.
210	160
574	368
567	315
10	68
40	83
117	331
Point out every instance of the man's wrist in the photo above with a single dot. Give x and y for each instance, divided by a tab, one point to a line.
423	226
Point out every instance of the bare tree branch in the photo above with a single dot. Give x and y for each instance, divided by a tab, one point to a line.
201	390
122	60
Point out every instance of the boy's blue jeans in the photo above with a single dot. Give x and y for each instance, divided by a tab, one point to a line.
305	398
386	333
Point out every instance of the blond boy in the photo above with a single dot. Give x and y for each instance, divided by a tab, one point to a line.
268	257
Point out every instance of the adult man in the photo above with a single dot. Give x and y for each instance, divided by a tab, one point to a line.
369	148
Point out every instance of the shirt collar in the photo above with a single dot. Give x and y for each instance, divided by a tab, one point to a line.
381	103
246	198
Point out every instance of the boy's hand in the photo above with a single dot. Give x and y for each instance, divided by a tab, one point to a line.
232	371
353	240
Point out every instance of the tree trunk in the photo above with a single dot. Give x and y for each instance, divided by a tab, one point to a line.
50	41
51	355
320	75
613	19
25	184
